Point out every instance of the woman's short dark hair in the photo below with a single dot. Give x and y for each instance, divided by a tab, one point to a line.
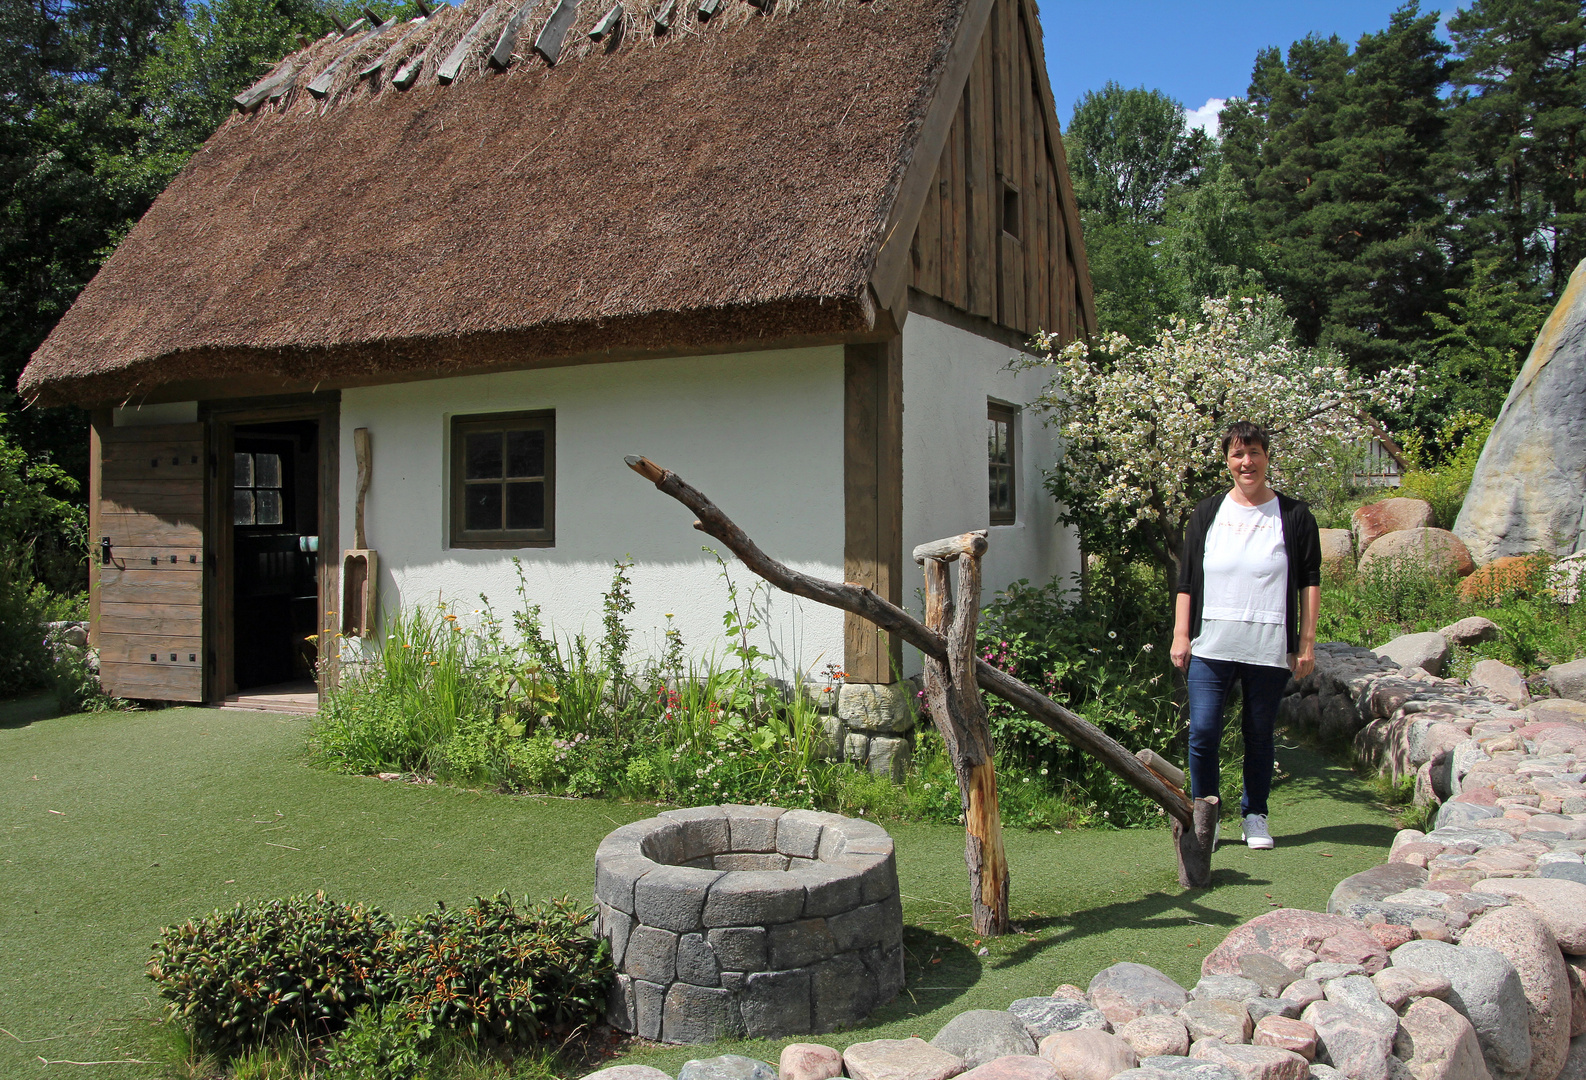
1247	432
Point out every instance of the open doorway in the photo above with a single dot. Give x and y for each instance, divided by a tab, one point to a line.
275	532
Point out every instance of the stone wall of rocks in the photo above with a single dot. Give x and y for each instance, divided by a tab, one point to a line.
870	724
732	921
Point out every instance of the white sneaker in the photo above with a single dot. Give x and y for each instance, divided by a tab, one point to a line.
1256	835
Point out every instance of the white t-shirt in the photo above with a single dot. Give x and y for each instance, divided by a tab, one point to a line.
1245	570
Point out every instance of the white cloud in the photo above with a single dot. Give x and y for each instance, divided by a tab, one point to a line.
1205	117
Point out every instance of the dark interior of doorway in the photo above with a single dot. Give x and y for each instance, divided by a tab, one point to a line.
275	552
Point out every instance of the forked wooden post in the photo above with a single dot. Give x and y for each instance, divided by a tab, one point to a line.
1192	822
953	694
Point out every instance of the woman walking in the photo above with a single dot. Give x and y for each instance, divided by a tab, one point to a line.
1250	577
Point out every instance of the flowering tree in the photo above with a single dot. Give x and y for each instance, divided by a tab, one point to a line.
1142	425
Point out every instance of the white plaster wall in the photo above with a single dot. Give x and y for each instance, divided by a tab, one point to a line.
760	433
948	375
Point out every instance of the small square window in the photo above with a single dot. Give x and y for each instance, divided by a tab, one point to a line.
503	480
1001	461
257	500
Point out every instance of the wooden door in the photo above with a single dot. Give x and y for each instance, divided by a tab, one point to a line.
150	550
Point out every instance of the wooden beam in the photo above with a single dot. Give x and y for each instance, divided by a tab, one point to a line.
385	57
608	22
873	498
1065	185
99	422
552	34
708	8
980	180
453	63
507	43
265	88
321	85
664	17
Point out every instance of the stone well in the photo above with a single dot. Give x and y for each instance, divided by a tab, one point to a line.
730	921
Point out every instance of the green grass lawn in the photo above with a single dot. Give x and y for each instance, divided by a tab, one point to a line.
119	824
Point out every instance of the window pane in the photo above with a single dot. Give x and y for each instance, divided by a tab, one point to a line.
1003	501
992	489
525	455
526	506
242	465
242	505
268	505
268	467
483	505
997	442
482	458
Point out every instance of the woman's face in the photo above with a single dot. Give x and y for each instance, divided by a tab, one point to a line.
1247	463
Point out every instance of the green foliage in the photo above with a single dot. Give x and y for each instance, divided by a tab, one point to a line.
1129	149
1444	486
501	971
1479	345
305	963
617	604
381	1044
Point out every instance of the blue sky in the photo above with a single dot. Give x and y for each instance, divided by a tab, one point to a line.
1191	50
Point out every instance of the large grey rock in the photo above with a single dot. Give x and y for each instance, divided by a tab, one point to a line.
1255	1062
1338	550
1226	987
1560	902
1486	990
1575	1063
776	1003
1355	1043
1152	1035
1453	815
1428	651
699	1014
1568	680
1163	1066
877	708
629	1072
1523	937
1215	1018
1127	990
1088	1054
899	1059
1014	1067
889	756
1526	494
1500	681
673	897
982	1035
1271	976
727	1067
1042	1016
1429	551
1471	630
843	991
1389	515
1436	1043
1375	884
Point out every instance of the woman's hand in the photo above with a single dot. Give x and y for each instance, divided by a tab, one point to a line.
1302	663
1181	651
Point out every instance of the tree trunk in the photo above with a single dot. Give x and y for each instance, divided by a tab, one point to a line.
960	716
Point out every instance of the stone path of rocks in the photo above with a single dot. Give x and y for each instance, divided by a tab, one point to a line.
1463	957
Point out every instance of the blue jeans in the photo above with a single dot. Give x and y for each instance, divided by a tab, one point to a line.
1209	683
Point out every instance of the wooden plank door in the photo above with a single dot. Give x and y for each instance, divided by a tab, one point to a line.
150	551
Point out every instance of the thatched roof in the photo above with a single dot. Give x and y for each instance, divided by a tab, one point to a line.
726	181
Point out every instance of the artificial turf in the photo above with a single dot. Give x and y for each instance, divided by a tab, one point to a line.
118	824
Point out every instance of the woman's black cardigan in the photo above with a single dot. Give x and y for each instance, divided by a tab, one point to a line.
1302	542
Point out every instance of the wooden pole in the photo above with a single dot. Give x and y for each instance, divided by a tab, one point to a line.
1193	872
960	716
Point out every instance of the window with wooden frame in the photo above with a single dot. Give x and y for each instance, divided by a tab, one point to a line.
1000	459
504	480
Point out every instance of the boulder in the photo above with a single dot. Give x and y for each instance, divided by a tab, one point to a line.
899	1059
726	1067
1486	990
1152	1035
1471	631
1338	551
1296	1036
1013	1067
1087	1054
1375	884
1568	680
1526	492
1226	987
629	1072
1216	1018
1559	902
1522	937
1390	516
1501	577
808	1061
1043	1016
981	1035
1288	935
1427	651
1267	973
1401	986
1255	1062
1501	681
1127	990
1355	1043
1436	1043
1430	551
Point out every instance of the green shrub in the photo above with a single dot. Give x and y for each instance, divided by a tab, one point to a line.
301	964
500	971
381	1044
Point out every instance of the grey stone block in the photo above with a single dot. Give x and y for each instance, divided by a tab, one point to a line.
881	708
625	841
754	898
887	967
619	1005
673	897
704	830
856	747
652	955
736	981
776	1003
844	992
738	948
1566	870
727	1067
798	832
867	925
663	840
752	828
649	1002
697	1014
798	944
890	757
834	839
878	874
695	962
833	734
615	926
615	879
828	889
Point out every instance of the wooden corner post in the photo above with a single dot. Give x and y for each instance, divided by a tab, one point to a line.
873	500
